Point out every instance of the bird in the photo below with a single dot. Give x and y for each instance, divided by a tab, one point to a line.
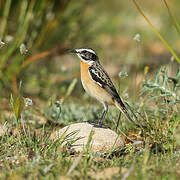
97	82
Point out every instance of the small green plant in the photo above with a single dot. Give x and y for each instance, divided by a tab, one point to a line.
174	21
17	105
164	87
161	110
39	29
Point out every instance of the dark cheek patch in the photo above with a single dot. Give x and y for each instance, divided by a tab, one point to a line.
89	56
85	57
94	57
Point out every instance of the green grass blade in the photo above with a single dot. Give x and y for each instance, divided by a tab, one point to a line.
157	32
4	19
172	17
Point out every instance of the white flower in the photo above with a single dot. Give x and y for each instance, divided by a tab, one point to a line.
126	96
57	103
1	43
63	68
28	102
137	37
23	49
123	74
9	38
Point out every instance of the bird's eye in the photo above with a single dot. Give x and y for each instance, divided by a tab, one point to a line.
86	54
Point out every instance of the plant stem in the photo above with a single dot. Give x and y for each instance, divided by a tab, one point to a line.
171	16
157	33
4	19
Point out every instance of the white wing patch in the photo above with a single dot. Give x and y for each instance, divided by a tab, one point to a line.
94	73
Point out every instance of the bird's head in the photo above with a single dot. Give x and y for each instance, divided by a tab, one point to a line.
86	55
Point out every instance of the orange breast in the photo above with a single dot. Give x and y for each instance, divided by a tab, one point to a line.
91	87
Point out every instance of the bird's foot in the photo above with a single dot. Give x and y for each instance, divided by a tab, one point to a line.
100	126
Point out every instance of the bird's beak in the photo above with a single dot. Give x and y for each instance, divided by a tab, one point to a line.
72	51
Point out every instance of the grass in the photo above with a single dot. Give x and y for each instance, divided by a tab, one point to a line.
26	150
156	31
47	29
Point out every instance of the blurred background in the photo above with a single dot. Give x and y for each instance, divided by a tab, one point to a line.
35	37
41	91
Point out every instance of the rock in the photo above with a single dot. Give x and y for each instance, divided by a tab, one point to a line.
103	139
3	130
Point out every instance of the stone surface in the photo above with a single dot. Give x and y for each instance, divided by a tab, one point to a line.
103	139
3	130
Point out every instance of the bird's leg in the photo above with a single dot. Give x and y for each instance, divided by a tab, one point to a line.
119	117
103	114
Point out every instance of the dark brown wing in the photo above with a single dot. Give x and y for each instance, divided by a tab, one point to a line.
100	76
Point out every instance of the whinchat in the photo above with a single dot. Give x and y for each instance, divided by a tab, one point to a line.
97	83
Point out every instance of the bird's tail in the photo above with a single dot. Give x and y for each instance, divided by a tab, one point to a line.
120	105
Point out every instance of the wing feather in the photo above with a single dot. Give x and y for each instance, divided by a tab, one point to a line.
100	76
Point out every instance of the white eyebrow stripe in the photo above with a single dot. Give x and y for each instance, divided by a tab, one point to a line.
83	49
